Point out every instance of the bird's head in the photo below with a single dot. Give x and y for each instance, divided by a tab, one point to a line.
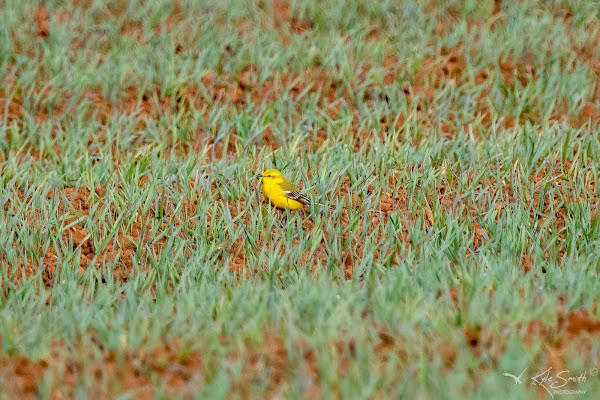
271	176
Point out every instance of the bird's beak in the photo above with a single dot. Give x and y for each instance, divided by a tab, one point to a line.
258	176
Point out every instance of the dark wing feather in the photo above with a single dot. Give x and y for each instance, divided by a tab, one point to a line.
292	192
299	197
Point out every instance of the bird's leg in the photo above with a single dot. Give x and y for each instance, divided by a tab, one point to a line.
282	219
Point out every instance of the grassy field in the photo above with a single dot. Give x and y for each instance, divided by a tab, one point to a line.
457	142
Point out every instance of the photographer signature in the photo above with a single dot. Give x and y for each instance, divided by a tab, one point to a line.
554	382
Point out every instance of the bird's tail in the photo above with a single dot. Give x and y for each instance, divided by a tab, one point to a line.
325	205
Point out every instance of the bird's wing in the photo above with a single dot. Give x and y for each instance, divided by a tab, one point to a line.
293	193
510	376
522	373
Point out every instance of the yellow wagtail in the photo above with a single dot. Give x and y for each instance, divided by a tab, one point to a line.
284	194
281	192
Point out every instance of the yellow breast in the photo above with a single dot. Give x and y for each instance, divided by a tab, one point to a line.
276	196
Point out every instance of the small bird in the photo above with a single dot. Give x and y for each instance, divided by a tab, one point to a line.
281	192
517	379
